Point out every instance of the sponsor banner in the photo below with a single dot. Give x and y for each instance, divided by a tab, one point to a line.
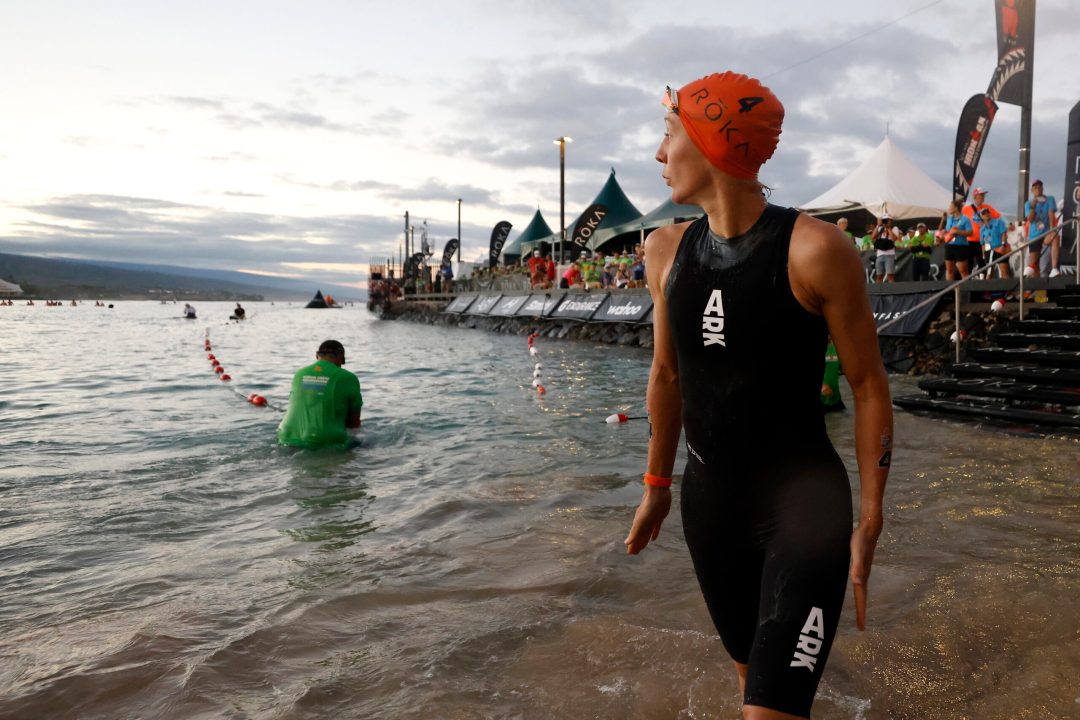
579	306
509	305
588	224
889	307
1016	51
624	308
971	134
539	305
483	304
1072	188
460	304
412	266
498	239
448	252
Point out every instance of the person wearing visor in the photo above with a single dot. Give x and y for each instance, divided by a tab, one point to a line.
324	404
745	300
993	234
886	235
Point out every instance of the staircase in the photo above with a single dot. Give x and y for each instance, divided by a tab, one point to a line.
1031	377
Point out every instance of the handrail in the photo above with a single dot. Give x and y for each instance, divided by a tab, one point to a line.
954	288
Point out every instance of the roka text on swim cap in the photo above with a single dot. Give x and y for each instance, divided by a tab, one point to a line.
733	120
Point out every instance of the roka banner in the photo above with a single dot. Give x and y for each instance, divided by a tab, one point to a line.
971	134
451	248
1016	51
889	307
498	239
588	223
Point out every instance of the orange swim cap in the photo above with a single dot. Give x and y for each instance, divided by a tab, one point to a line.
733	120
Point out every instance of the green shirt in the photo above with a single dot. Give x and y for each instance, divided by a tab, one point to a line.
832	377
922	245
867	243
323	395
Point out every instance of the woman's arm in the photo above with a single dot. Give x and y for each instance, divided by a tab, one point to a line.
663	399
829	278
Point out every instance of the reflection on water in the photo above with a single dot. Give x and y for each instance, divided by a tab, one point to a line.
161	557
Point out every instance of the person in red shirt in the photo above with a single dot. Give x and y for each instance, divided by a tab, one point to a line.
550	273
973	212
537	269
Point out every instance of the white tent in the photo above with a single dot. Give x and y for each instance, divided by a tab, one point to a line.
7	288
886	182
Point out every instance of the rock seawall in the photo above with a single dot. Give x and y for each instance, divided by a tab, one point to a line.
927	354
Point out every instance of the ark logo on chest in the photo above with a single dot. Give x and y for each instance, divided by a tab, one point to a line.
712	321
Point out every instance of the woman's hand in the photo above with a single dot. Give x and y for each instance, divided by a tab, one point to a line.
654	507
863	542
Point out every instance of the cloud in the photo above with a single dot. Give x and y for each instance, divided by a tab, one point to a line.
152	230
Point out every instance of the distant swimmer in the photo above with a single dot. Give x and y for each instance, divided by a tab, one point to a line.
745	299
238	313
189	312
324	404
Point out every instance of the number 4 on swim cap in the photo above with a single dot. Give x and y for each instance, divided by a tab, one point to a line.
747	104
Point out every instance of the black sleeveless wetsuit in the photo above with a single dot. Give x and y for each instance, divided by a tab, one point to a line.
766	503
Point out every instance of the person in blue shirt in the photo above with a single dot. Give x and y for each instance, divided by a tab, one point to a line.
993	238
957	231
1041	214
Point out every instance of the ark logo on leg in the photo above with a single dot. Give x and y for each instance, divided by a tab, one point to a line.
810	641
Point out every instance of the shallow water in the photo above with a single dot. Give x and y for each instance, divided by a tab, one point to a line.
161	557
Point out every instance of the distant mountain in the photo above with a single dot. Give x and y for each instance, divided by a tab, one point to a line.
63	277
296	287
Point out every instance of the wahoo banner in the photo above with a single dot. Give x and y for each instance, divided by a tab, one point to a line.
1011	82
971	134
498	239
587	224
1072	187
451	248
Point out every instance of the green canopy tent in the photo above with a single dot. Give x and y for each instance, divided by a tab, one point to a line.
536	230
619	210
628	233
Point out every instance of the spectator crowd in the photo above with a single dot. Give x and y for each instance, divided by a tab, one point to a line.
974	234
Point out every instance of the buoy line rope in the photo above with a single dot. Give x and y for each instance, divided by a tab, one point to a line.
254	398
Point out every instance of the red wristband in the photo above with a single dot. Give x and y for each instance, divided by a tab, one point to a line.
657	481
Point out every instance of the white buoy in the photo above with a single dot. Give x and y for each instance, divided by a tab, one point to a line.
537	373
532	351
616	418
539	366
997	306
536	382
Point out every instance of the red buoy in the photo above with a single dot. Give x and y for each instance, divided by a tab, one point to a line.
226	376
218	369
540	390
210	356
214	363
258	400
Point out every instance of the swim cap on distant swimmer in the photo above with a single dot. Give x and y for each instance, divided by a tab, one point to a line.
733	120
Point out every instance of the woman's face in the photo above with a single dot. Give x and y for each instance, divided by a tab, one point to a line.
686	170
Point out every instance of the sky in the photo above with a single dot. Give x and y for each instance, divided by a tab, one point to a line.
290	138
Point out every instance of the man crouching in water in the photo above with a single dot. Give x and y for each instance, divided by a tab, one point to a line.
325	402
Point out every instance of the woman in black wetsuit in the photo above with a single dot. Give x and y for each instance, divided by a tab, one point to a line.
745	299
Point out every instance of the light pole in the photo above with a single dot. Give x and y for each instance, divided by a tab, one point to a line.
561	142
459	232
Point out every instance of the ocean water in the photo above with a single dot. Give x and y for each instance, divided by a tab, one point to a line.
162	557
